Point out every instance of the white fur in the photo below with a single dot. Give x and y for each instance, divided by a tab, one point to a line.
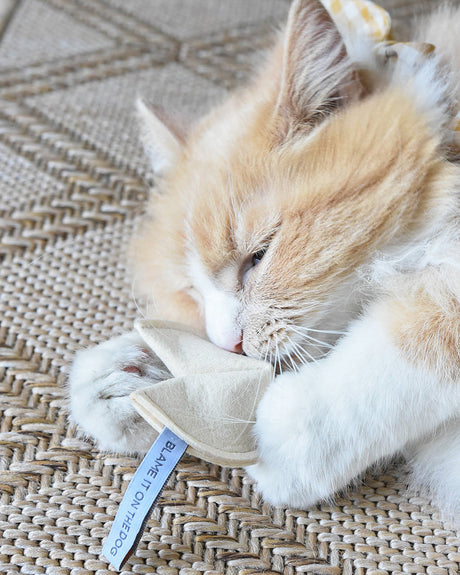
320	428
221	307
441	29
435	462
429	86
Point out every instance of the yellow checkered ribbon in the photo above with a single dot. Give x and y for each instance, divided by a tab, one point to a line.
360	17
367	19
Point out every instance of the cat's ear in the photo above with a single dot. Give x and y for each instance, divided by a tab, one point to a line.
162	140
317	75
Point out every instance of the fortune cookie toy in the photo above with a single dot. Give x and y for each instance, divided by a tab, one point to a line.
211	400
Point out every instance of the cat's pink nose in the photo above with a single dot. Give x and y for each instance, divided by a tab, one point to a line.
235	346
238	348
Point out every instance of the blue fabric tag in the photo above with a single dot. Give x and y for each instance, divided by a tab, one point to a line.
141	495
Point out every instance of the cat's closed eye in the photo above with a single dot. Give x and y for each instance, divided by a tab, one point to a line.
254	261
257	257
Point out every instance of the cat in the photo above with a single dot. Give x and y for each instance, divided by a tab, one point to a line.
311	220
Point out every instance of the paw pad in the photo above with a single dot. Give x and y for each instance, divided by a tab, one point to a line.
132	369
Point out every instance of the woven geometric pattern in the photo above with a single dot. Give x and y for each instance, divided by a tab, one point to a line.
73	184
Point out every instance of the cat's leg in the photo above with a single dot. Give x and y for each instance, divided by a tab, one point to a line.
101	380
435	466
320	428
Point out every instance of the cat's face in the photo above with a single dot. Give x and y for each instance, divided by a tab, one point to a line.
274	241
268	212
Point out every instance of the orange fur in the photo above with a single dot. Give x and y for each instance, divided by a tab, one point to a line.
425	324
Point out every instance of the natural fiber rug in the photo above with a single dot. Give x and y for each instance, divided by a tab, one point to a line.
72	186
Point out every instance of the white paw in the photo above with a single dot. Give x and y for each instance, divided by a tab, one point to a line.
298	464
101	380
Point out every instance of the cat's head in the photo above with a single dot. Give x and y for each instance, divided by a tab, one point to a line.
270	205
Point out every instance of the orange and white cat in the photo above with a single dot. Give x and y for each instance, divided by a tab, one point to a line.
311	220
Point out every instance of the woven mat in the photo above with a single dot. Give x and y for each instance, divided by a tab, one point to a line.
73	182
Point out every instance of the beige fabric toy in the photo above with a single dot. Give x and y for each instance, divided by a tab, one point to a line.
211	401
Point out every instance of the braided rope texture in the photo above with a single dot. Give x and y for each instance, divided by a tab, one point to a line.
73	183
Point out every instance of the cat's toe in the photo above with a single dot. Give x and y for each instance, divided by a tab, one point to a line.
280	486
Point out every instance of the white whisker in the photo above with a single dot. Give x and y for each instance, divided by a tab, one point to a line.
289	358
321	330
310	338
133	296
298	350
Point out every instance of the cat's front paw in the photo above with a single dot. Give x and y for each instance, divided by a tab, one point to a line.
101	380
296	465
